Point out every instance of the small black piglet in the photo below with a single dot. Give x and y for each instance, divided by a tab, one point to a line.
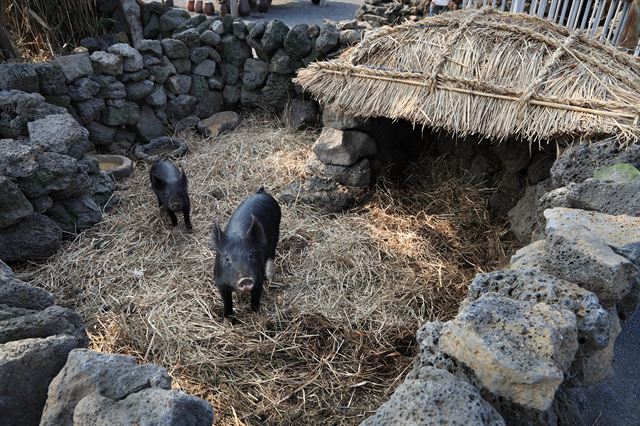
170	186
246	250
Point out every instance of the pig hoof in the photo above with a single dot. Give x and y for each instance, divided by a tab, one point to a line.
270	269
227	321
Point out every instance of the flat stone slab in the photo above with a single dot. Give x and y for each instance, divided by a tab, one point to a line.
117	166
163	147
218	123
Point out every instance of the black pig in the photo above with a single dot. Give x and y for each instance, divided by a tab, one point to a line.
245	251
170	186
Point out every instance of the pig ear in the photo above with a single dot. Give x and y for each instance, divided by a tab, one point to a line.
217	238
256	232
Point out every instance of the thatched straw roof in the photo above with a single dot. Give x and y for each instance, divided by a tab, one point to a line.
498	75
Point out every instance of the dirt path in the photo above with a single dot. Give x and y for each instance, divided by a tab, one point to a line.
293	12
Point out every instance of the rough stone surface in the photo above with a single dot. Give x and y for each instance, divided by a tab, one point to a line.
343	147
106	63
26	369
180	107
172	19
255	74
190	37
149	126
598	251
83	89
132	59
210	38
90	110
33	238
358	174
110	88
14	206
59	133
19	294
205	68
323	193
533	286
580	161
157	98
297	42
340	120
51	321
139	90
74	66
303	114
179	84
152	406
606	196
440	398
234	51
87	372
524	218
76	214
328	39
518	350
17	159
175	49
209	105
274	35
619	173
51	79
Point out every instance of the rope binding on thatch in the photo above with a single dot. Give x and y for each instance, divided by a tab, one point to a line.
463	72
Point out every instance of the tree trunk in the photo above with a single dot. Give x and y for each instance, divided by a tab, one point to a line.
6	47
132	13
631	34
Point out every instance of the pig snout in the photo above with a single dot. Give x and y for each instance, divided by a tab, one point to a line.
245	285
175	205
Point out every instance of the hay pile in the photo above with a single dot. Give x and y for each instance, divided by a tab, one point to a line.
498	75
336	331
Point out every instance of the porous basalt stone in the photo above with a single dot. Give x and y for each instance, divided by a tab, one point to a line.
517	350
343	147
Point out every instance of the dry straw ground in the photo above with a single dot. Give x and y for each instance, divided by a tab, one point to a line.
336	332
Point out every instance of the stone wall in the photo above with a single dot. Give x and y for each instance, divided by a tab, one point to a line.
120	96
47	378
48	183
389	12
550	320
351	153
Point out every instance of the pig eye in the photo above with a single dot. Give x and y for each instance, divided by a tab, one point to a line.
227	259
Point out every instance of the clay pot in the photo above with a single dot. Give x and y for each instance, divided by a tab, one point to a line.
199	6
223	8
190	5
262	5
244	9
209	8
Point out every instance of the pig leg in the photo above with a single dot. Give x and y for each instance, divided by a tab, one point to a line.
256	294
187	218
227	303
174	219
270	269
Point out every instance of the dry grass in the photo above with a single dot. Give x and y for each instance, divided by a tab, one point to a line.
42	28
336	332
499	75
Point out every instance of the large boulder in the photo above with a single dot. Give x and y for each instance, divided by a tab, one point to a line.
152	406
606	196
14	206
437	398
59	133
50	321
99	389
19	77
358	174
302	114
234	51
343	147
533	286
26	368
17	159
580	161
74	66
274	35
34	238
19	294
517	350
106	63
598	251
76	214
